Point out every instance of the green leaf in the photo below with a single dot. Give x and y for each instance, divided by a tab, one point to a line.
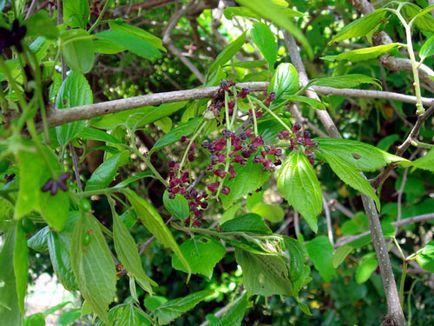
351	176
235	314
10	313
76	13
77	49
265	41
59	245
299	272
34	172
152	220
227	53
139	117
175	134
21	265
126	250
272	212
177	207
264	274
360	27
134	178
38	241
366	267
93	265
427	49
284	82
424	20
426	162
340	254
105	46
119	25
363	54
202	253
249	178
37	319
309	101
345	81
96	134
361	156
75	91
106	172
252	223
172	309
279	16
231	12
320	252
298	184
41	24
129	315
425	257
130	41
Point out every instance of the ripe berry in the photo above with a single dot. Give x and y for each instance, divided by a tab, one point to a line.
226	190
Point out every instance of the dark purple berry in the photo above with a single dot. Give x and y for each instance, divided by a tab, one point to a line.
226	190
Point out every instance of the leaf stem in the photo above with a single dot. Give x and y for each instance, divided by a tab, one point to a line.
274	115
101	15
190	143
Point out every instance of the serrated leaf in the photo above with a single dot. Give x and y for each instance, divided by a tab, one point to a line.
346	81
264	274
340	254
265	41
177	207
426	162
126	250
152	220
361	156
202	254
128	314
298	184
351	176
75	91
363	54
360	27
320	252
284	82
425	257
172	309
366	267
93	265
106	172
227	53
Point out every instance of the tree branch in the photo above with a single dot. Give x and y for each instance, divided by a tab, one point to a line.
395	313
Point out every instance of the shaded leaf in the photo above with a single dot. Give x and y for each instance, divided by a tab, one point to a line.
320	252
272	212
425	257
366	267
77	49
177	207
252	223
340	254
184	129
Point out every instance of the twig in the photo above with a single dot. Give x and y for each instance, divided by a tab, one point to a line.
334	203
76	167
328	221
390	289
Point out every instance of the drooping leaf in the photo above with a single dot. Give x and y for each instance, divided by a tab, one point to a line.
249	178
252	223
38	241
345	81
320	252
363	54
284	82
77	49
366	267
76	13
298	184
172	309
279	16
227	53
351	176
361	156
426	162
106	172
272	212
360	27
75	91
202	253
152	220
126	250
425	257
265	41
264	274
93	265
177	207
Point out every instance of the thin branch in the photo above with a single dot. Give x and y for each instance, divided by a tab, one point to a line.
328	220
341	208
86	112
76	167
393	304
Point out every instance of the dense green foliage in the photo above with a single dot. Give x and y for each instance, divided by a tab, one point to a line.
235	205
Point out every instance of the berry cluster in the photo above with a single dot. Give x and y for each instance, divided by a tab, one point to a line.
218	101
53	185
300	139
